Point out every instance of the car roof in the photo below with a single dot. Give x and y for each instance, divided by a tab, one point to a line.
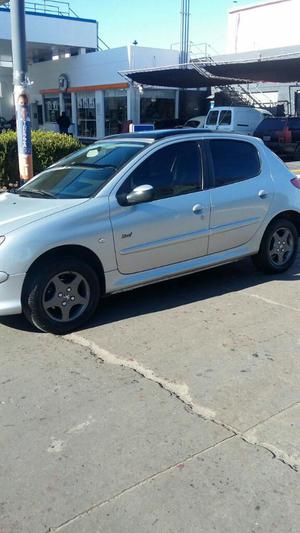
155	135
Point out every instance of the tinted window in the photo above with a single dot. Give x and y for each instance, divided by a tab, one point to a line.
294	123
106	153
171	171
212	118
225	118
84	173
233	161
192	123
270	125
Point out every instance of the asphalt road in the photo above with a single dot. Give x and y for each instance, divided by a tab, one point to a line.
176	410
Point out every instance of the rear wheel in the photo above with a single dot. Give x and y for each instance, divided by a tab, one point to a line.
278	247
61	295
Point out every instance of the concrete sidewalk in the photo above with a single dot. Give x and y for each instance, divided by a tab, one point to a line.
175	410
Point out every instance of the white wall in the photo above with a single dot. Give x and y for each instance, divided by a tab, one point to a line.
6	94
142	57
270	24
53	30
97	68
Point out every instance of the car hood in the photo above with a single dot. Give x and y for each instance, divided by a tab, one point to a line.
17	211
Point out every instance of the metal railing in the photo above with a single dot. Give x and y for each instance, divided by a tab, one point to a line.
50	7
237	92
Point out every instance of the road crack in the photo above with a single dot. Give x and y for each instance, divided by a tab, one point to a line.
148	479
182	393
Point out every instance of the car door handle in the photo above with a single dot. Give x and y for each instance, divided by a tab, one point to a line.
197	209
263	194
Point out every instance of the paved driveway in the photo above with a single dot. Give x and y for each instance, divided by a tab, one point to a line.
176	410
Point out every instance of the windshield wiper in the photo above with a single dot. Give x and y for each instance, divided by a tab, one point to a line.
36	192
92	165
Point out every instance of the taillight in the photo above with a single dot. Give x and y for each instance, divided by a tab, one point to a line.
296	182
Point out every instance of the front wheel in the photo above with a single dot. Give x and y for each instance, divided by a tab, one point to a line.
278	247
61	295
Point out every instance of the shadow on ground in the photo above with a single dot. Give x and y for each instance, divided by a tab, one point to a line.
174	293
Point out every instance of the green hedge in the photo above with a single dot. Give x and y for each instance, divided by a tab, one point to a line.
47	148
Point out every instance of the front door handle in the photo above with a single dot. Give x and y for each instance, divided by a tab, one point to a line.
197	209
263	194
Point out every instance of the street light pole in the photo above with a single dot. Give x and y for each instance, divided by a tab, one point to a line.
21	96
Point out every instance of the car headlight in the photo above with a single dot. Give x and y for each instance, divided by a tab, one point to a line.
2	239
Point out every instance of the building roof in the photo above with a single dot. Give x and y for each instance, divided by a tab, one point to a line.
283	69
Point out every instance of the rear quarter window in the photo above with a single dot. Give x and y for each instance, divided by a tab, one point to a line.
233	161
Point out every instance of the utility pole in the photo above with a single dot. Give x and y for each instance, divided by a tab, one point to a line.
184	31
21	96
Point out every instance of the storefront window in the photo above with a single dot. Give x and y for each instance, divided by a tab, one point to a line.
86	114
115	103
157	105
51	107
67	104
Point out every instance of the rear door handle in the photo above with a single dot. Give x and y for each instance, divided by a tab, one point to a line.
263	194
197	209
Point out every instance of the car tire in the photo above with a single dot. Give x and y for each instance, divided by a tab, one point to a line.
61	295
278	247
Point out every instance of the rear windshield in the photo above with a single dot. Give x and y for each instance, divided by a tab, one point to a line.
192	123
212	118
294	123
84	173
269	125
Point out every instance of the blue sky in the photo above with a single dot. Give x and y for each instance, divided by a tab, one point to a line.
157	22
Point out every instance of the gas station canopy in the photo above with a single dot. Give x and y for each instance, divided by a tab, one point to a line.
202	74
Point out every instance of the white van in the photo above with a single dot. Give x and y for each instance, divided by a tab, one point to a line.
235	119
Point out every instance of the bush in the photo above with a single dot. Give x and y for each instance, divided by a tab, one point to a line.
47	148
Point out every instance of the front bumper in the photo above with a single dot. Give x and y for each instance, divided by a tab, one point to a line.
10	295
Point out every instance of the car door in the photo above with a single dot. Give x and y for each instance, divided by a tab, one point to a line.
174	225
241	195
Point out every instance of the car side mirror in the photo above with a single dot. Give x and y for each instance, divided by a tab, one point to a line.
140	194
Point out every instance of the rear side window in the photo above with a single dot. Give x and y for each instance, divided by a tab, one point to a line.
294	123
225	118
233	161
212	118
270	125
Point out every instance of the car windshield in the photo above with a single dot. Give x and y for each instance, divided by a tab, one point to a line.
84	173
192	123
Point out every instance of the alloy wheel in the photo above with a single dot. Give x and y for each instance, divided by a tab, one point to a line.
66	296
281	247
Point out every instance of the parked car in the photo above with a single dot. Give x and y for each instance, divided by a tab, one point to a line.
282	135
195	122
138	208
241	119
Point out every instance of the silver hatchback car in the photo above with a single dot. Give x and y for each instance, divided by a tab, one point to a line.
135	209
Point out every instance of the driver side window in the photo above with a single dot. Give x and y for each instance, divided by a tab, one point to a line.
171	171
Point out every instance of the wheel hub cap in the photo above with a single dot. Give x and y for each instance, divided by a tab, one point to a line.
281	246
66	296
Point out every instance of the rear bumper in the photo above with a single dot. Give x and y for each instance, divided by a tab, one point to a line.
10	295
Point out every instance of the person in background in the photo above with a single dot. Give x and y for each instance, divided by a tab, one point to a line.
13	123
63	123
